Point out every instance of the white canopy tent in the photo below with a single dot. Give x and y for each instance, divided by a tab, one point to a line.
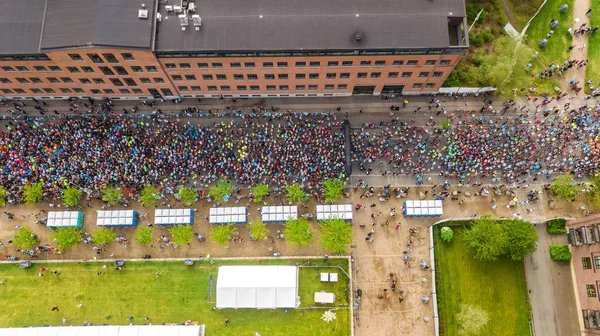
131	330
259	287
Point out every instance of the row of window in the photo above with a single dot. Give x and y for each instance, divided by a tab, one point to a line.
213	88
110	58
71	91
310	64
85	81
72	69
422	74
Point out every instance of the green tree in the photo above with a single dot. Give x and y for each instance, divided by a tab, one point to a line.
33	192
333	189
71	196
486	239
149	195
186	195
336	235
564	187
295	194
447	234
446	124
3	196
594	190
258	229
182	234
112	195
259	192
560	253
66	238
221	234
103	236
221	190
25	238
143	236
298	232
521	238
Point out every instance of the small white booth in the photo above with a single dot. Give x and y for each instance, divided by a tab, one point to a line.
324	297
278	213
343	211
234	215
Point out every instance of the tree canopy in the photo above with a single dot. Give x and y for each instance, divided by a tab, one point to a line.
594	190
103	236
298	232
25	238
521	238
71	196
221	190
3	196
149	195
66	238
259	192
186	195
333	189
564	187
336	235
112	195
486	239
143	235
221	234
296	194
182	234
447	234
258	229
33	192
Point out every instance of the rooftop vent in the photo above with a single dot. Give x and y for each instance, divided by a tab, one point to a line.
358	37
142	14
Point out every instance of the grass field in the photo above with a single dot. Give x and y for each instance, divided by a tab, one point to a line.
499	288
180	293
593	67
558	44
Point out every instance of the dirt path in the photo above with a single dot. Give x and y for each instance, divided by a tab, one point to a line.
511	18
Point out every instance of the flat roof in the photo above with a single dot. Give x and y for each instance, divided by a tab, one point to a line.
21	26
112	23
229	25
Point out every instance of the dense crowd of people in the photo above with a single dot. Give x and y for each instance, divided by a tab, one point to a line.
95	152
557	140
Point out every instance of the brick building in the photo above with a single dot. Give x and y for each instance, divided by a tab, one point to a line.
135	49
584	238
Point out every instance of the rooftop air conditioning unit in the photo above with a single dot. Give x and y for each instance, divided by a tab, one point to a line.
197	21
169	8
178	9
192	7
142	14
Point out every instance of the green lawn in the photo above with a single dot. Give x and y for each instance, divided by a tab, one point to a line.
498	287
557	48
179	294
593	67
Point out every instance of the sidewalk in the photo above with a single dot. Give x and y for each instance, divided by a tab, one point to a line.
581	46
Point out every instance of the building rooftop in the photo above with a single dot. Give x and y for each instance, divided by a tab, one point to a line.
21	26
230	25
108	23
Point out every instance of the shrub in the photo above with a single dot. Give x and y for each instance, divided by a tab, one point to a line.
446	124
25	238
447	234
487	35
557	226
560	252
476	40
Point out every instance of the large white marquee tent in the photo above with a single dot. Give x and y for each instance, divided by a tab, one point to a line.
142	330
260	287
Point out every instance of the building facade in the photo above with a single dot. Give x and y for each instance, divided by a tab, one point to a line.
584	239
138	49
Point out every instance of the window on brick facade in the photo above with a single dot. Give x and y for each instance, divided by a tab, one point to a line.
282	76
254	88
342	87
66	80
252	77
185	65
202	65
128	56
124	91
591	290
225	88
406	74
110	58
587	263
379	63
73	69
313	76
176	77
430	62
145	80
361	75
217	65
116	82
423	74
333	63
40	68
331	76
365	63
417	85
300	76
170	66
398	63
190	77
36	91
242	88
221	77
65	90
393	75
429	85
437	74
95	58
267	64
107	71
235	65
329	86
130	81
412	62
137	69
195	88
249	64
76	57
315	64
207	77
375	74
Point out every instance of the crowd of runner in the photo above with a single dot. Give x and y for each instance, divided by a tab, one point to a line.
95	152
92	153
